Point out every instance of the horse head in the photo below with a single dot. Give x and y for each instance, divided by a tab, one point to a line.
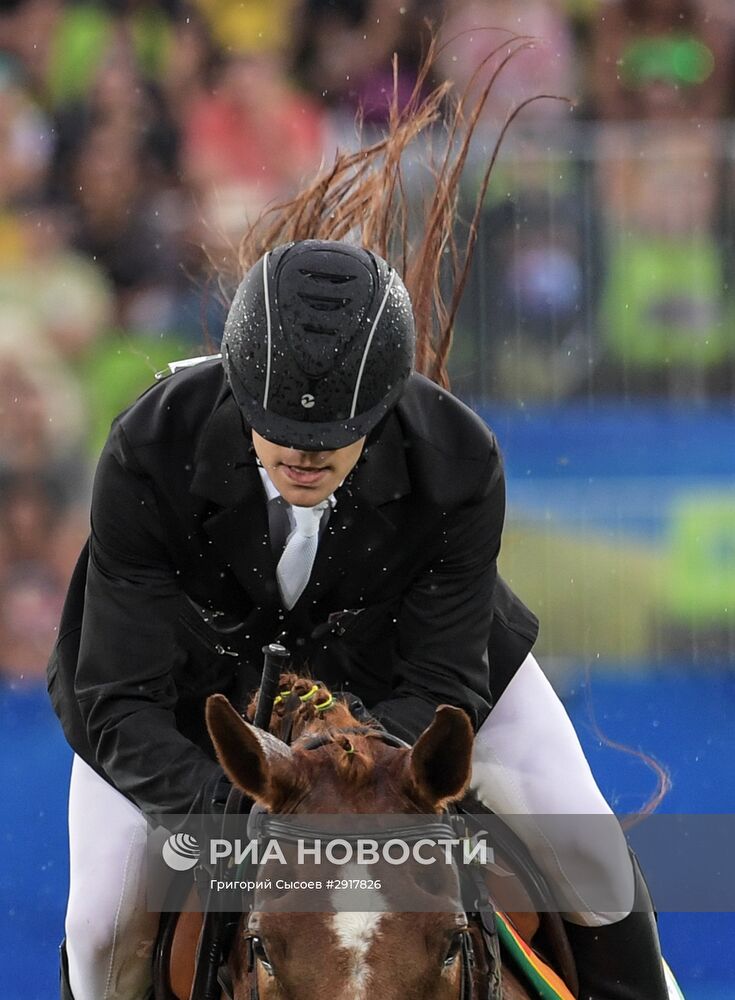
350	768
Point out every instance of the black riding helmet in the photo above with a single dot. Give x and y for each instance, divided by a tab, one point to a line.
318	344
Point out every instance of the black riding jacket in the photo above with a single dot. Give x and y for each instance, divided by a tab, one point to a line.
175	594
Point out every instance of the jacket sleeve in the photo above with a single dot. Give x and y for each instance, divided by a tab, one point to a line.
124	683
445	619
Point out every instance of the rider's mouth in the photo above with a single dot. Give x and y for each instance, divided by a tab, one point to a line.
304	475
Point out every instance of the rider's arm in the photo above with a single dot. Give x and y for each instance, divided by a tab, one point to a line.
446	615
124	682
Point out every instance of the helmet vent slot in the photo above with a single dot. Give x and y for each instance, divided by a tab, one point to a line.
319	330
323	303
332	279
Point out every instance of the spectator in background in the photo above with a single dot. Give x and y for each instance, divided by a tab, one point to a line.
62	290
191	61
42	416
530	262
41	485
64	308
248	142
33	576
28	29
87	32
25	136
29	510
474	28
661	70
248	135
343	52
116	167
258	26
533	265
121	222
31	598
656	59
131	107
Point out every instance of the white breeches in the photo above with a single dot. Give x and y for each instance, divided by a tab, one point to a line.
529	768
527	763
109	932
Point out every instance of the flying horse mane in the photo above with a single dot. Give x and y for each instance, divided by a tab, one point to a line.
362	198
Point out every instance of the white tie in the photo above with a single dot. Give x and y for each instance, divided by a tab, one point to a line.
295	565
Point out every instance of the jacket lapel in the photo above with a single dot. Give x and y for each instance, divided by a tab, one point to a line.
366	516
226	472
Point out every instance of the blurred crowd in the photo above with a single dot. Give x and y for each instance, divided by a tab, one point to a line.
137	138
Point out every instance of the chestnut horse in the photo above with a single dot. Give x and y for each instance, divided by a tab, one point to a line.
333	763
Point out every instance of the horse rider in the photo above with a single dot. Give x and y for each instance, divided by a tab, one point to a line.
307	484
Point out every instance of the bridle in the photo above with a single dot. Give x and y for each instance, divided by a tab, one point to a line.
262	826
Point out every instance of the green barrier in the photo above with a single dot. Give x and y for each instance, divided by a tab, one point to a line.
117	370
663	303
699	588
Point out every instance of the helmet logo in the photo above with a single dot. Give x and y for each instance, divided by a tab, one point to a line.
307	401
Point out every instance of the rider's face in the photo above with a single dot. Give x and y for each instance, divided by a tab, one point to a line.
305	478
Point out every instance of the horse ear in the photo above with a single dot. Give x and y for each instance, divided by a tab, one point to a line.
251	758
441	759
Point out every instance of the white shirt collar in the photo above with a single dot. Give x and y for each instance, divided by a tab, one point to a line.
270	490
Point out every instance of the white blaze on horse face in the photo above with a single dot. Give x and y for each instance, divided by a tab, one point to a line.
356	932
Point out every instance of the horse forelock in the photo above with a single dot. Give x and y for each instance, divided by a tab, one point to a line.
299	708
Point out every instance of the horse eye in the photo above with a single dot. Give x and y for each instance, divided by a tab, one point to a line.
453	950
261	955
